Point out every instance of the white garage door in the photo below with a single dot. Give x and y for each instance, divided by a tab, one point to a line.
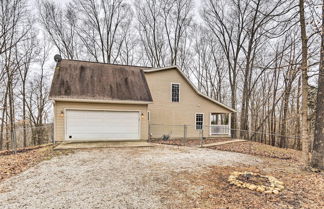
101	125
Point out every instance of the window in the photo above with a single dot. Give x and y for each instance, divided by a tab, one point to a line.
148	115
199	121
175	92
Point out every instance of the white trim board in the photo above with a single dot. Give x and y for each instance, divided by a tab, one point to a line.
99	101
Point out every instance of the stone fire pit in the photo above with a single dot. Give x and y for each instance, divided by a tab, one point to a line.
256	182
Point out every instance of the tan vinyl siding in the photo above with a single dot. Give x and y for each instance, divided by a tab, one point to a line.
164	111
60	106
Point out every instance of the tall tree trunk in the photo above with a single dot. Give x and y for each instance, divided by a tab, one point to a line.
24	114
304	105
283	139
12	114
234	114
318	147
298	128
3	118
247	76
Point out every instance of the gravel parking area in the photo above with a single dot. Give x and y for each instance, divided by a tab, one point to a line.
111	178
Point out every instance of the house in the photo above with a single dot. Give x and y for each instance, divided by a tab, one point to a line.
97	101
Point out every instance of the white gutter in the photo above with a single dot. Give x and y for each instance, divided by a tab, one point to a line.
99	101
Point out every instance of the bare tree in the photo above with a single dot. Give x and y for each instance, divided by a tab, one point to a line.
230	33
103	27
318	146
37	101
263	22
14	28
208	66
151	30
163	28
60	25
12	14
25	55
177	17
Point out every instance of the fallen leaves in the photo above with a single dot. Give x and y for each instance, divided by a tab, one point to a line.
12	164
303	190
191	142
259	149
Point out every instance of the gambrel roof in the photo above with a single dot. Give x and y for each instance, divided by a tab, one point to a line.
75	79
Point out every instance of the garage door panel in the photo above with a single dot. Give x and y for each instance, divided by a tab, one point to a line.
102	125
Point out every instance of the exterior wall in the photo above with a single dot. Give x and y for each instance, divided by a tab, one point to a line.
59	106
170	114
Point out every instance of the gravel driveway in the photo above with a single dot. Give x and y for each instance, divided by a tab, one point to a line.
110	178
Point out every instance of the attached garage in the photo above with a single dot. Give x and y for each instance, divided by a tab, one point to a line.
99	102
102	125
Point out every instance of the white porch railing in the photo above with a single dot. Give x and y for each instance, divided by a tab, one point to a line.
219	129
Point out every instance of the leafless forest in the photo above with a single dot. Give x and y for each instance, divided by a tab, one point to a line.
260	57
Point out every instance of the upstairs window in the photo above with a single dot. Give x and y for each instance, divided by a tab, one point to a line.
199	121
175	92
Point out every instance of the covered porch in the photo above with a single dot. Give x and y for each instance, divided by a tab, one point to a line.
220	124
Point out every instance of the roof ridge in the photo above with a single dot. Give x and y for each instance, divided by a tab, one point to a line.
105	63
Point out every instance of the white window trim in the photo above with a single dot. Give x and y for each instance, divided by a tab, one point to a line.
171	92
202	120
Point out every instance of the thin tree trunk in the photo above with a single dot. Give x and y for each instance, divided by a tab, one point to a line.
4	113
283	140
298	127
24	114
304	105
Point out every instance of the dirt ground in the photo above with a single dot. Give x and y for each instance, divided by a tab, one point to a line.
160	177
113	178
12	164
303	189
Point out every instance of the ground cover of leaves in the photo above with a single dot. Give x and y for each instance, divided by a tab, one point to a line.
12	164
259	149
208	186
211	190
303	189
190	142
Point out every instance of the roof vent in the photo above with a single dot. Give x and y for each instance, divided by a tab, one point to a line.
57	58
